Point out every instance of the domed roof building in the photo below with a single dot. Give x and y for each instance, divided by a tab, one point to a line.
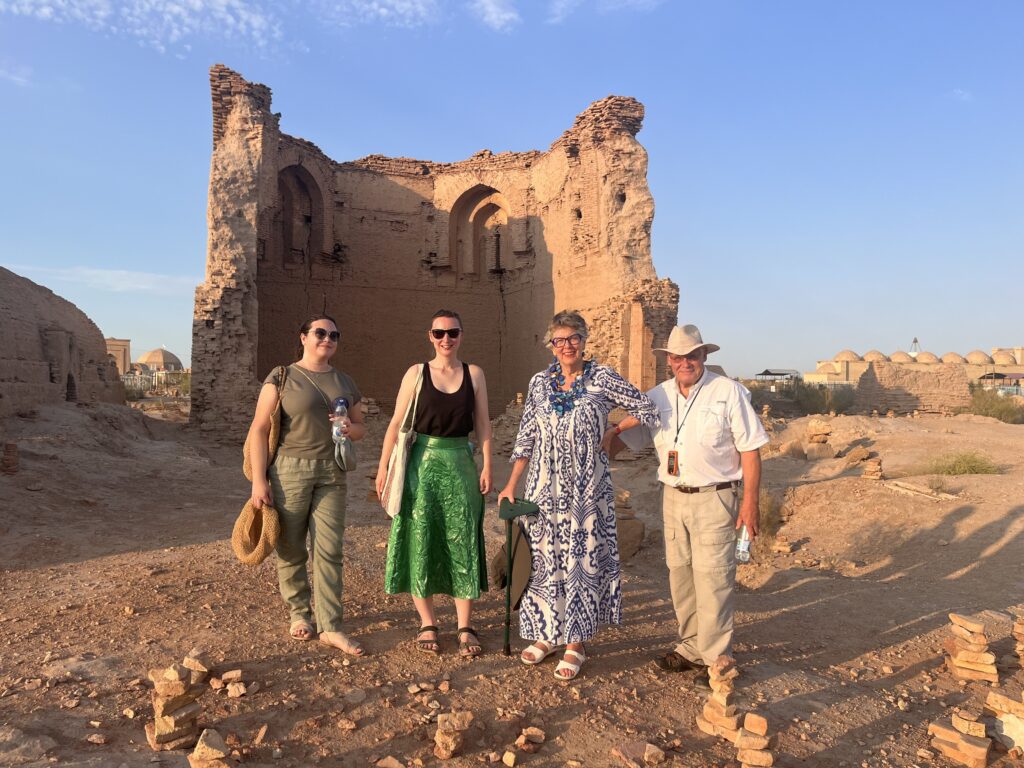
901	357
161	360
847	356
977	357
927	357
874	356
953	357
1003	357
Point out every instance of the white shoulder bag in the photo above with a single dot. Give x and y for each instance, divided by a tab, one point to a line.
394	483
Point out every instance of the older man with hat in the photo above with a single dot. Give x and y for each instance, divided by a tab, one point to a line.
708	444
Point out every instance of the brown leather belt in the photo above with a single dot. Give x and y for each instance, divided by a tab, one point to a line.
706	488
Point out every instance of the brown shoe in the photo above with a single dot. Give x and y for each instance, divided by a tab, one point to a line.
676	662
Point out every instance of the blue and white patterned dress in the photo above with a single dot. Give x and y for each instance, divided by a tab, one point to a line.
575	584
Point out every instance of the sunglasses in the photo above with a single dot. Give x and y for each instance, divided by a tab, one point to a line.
322	333
575	340
439	333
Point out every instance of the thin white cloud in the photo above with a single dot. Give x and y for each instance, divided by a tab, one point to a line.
158	23
20	76
499	15
961	95
559	10
627	5
110	280
397	13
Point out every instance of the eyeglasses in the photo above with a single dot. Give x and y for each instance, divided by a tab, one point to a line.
575	340
323	333
439	333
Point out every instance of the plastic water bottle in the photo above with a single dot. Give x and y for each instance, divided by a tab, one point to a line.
340	412
743	545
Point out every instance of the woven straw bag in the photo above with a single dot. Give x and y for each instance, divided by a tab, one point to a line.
394	484
275	430
255	533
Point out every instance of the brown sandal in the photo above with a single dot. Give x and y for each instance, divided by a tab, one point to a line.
428	646
469	649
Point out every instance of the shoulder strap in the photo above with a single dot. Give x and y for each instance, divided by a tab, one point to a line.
326	401
410	410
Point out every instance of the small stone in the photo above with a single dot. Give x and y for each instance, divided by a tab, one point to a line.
261	734
129	713
346	724
756	723
96	738
236	690
509	758
211	746
535	735
232	676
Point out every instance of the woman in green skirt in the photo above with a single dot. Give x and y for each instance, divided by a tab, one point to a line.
436	545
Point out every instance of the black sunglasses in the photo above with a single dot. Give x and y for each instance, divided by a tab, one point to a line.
438	333
322	333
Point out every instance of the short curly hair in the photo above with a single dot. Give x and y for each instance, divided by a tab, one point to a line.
567	318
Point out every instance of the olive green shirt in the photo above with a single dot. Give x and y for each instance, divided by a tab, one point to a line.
305	413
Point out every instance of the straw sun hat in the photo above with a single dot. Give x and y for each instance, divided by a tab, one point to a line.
255	533
684	339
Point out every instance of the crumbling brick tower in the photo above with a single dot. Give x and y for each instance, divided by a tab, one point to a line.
505	240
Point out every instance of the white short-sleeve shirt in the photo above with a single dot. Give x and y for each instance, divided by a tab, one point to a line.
709	429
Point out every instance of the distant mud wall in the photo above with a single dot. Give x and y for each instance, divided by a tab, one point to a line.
890	386
50	352
381	243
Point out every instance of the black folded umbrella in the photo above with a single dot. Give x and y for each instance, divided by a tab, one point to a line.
517	568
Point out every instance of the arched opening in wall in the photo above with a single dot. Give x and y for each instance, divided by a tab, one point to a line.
292	235
478	236
72	390
297	224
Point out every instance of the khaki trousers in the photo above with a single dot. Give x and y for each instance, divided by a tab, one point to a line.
309	495
700	550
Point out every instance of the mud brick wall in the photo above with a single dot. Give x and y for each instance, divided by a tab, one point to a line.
50	352
892	386
505	239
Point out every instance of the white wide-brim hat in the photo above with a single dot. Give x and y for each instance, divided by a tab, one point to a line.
684	339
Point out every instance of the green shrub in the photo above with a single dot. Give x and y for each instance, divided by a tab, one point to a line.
816	398
987	402
962	463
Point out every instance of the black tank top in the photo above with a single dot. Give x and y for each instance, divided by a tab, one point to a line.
440	414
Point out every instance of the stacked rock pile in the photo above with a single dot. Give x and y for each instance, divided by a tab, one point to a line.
816	445
872	469
175	709
451	734
962	739
969	657
720	716
753	743
1007	722
9	460
210	752
1018	638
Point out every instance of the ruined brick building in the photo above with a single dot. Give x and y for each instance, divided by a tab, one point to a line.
50	352
504	239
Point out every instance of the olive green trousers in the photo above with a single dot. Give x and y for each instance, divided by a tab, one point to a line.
309	495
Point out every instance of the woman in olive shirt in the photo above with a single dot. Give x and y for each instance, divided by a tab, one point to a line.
305	484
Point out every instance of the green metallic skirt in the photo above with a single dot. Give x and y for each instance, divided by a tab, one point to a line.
436	545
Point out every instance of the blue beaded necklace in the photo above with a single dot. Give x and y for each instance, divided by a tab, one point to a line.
562	401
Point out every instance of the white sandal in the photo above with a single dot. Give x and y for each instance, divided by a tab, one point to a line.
574	669
538	653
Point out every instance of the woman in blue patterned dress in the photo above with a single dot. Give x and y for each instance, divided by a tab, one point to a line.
562	446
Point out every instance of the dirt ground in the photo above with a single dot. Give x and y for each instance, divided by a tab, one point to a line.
116	559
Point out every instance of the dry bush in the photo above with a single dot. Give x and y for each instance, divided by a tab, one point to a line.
987	402
961	463
769	522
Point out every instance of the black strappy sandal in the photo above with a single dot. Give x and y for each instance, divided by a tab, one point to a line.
469	649
428	646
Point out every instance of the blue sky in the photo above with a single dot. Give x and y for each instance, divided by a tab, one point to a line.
826	175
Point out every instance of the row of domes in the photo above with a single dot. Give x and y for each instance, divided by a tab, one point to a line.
977	357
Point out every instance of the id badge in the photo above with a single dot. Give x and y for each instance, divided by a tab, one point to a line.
672	463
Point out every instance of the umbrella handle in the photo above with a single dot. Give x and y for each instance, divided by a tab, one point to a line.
508	586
